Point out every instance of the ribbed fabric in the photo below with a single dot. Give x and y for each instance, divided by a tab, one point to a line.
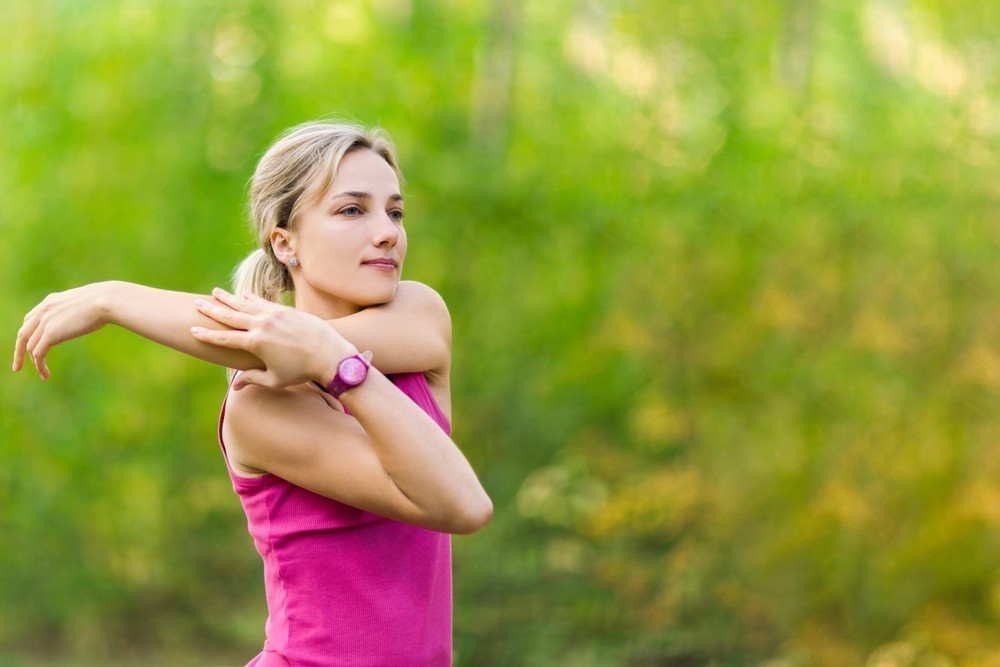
345	587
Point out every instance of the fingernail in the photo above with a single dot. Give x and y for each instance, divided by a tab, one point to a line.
217	291
200	303
197	330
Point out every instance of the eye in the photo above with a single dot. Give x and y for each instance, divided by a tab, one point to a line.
351	211
396	215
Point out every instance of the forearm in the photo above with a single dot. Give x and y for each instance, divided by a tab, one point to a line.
400	334
410	334
166	317
420	459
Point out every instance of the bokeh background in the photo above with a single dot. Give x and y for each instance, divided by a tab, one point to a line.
725	280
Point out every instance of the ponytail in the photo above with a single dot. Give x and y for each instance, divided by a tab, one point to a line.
262	274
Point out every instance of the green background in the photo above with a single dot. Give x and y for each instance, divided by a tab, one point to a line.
725	282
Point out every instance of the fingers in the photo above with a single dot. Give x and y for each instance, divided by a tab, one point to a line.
39	354
24	334
248	303
32	349
224	314
250	377
21	344
332	402
232	338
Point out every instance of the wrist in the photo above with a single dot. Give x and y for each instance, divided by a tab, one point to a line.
106	301
349	373
329	360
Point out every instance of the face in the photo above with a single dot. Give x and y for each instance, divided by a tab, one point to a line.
350	242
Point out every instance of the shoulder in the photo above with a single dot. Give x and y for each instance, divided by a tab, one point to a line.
263	426
256	404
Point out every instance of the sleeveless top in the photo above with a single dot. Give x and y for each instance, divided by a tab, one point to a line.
347	587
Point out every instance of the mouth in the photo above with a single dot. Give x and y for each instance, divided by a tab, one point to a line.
384	263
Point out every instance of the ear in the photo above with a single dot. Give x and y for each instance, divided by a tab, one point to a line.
281	243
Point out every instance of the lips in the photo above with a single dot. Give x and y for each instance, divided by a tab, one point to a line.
382	263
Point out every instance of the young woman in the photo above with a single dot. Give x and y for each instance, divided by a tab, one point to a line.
348	476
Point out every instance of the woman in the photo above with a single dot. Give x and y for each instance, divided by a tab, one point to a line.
349	479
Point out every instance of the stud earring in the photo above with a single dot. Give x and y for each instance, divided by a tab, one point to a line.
293	262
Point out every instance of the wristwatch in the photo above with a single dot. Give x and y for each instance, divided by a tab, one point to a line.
351	372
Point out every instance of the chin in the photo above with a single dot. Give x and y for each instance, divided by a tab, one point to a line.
378	297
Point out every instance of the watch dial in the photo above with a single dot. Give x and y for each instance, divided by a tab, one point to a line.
352	371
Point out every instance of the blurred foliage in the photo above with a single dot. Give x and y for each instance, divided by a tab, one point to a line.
725	279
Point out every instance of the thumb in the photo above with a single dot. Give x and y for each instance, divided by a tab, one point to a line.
255	376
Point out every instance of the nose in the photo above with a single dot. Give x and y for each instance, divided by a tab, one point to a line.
387	231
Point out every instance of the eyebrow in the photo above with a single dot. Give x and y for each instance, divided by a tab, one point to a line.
357	194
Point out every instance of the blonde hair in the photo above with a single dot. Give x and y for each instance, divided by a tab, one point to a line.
298	167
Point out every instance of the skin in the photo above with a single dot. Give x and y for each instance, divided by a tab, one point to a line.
387	456
410	334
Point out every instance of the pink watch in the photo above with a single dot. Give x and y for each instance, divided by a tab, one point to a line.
351	372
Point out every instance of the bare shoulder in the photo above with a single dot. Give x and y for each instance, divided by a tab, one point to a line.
264	427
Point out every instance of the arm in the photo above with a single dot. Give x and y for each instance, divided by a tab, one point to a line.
410	334
387	457
396	331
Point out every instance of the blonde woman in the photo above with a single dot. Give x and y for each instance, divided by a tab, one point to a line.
348	476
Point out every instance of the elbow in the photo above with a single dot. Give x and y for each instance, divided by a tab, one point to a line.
472	517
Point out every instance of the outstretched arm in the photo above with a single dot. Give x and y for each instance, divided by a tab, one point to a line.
406	335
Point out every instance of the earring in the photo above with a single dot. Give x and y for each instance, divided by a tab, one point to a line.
293	262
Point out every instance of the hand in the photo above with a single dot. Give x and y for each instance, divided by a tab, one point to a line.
60	317
295	346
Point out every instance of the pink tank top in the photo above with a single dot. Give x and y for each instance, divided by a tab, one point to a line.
344	586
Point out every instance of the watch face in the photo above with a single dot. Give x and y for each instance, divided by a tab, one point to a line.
352	371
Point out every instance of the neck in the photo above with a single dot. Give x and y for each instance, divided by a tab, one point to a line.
324	306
